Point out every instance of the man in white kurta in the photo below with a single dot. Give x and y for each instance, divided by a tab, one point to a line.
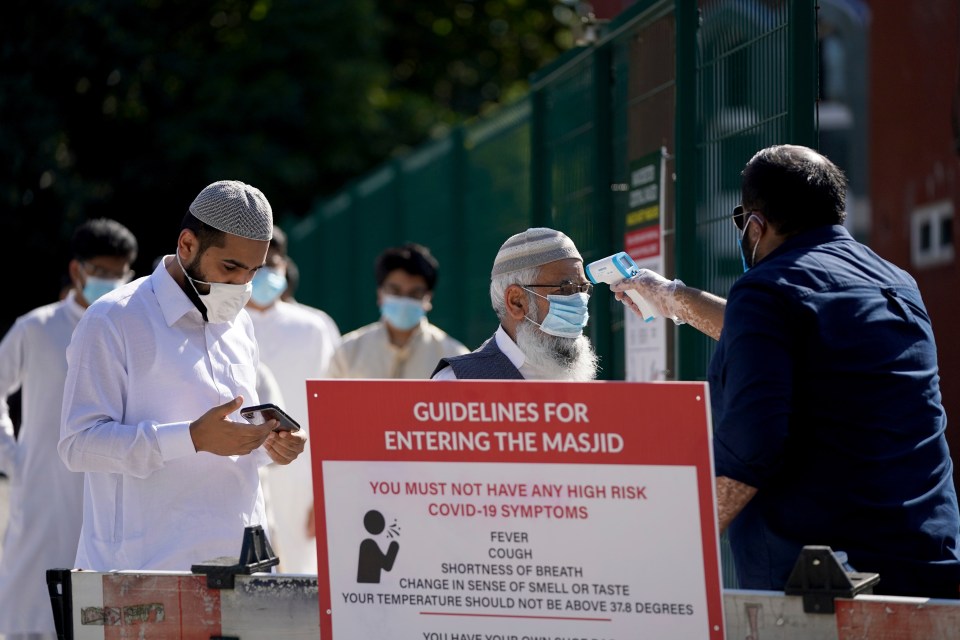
157	373
297	345
45	498
368	352
402	344
153	501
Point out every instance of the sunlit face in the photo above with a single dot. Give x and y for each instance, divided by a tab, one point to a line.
556	273
555	357
235	262
108	268
405	285
103	267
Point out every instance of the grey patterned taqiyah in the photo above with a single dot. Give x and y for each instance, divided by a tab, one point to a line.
235	208
532	248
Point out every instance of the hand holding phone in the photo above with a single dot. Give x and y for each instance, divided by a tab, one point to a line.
263	412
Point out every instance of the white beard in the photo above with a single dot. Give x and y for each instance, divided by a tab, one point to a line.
567	359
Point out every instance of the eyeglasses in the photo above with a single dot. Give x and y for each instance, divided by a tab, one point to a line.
740	215
106	274
417	293
567	288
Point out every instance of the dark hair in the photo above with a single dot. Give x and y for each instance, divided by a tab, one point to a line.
795	188
103	237
411	257
279	241
208	236
293	278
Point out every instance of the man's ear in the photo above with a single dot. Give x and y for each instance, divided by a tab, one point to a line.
517	302
761	220
187	245
73	270
756	227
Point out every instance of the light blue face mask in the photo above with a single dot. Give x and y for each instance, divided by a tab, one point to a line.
567	316
95	287
268	284
402	313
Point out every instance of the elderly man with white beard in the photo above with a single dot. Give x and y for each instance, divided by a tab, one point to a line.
540	294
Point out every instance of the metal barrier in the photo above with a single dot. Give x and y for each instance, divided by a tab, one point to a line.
174	605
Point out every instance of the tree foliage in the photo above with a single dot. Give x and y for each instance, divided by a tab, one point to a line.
127	108
467	56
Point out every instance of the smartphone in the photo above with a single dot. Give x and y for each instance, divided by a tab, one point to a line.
263	412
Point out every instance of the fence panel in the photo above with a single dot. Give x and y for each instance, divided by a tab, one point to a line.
643	106
711	83
571	155
431	202
322	245
497	202
751	58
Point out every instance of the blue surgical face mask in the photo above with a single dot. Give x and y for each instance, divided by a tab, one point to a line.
268	284
752	262
402	313
95	287
567	315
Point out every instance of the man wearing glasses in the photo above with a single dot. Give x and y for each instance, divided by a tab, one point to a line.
540	294
828	422
46	500
403	343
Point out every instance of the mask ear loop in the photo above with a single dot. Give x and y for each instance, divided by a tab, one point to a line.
532	305
746	225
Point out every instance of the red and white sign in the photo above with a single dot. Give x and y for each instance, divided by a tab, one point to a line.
502	510
643	244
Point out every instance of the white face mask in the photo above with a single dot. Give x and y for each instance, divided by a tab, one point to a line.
224	301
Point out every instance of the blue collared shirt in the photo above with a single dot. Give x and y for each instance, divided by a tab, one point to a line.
826	398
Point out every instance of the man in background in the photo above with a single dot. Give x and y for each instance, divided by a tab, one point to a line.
402	343
289	294
46	500
297	344
540	293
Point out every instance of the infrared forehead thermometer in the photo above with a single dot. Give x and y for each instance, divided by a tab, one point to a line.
615	268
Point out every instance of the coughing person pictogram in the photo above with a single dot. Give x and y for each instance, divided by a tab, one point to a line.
372	560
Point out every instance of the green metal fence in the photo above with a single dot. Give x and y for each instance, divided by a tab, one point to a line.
706	83
751	83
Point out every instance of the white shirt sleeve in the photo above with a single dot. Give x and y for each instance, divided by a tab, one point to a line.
92	436
11	358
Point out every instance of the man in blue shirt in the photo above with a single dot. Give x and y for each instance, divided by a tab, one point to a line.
828	423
